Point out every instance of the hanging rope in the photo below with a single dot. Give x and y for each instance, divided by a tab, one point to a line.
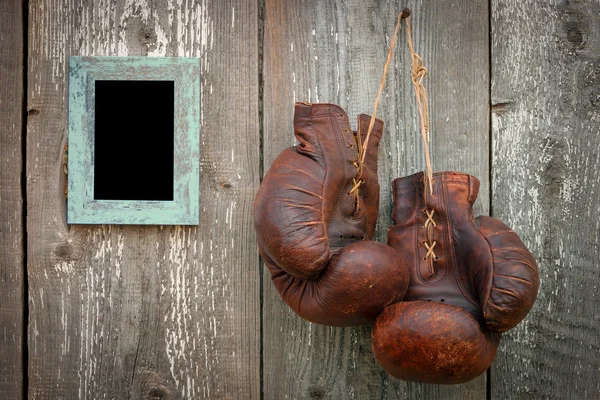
381	85
362	147
418	72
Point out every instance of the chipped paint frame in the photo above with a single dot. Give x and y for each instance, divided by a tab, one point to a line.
82	208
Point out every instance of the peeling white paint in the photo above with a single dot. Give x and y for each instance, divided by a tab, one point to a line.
65	267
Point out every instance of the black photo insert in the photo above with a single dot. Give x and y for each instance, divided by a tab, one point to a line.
134	141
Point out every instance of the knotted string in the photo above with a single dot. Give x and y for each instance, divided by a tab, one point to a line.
418	72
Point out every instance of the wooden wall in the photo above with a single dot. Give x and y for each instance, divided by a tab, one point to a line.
12	235
187	312
146	311
334	51
546	185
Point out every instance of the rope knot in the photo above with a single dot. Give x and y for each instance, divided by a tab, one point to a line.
418	72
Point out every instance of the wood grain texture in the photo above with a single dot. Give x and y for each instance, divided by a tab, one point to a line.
11	200
334	51
146	311
546	185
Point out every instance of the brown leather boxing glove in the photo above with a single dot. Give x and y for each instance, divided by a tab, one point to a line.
471	278
314	222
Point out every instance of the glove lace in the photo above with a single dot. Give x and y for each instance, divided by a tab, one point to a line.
418	73
430	244
362	147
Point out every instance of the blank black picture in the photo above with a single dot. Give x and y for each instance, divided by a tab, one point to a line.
134	140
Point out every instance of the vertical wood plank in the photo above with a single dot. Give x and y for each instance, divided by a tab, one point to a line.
11	200
334	51
546	185
141	311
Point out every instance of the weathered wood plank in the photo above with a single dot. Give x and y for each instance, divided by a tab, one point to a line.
334	51
11	200
546	185
142	311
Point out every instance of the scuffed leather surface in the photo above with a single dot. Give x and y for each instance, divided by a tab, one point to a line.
515	276
353	289
483	271
314	241
429	342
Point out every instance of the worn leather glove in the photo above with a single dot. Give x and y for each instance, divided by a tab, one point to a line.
470	279
315	214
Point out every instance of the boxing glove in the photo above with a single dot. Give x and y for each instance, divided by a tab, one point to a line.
315	214
470	279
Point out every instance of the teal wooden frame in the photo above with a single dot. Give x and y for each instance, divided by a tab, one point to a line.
82	207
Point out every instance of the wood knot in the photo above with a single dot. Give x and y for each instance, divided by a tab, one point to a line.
574	34
157	394
575	25
63	250
226	185
147	37
32	111
316	392
405	13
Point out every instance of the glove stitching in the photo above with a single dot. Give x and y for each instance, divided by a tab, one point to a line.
341	143
452	250
416	224
443	215
323	221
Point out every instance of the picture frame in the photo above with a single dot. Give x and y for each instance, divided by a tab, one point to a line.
82	206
